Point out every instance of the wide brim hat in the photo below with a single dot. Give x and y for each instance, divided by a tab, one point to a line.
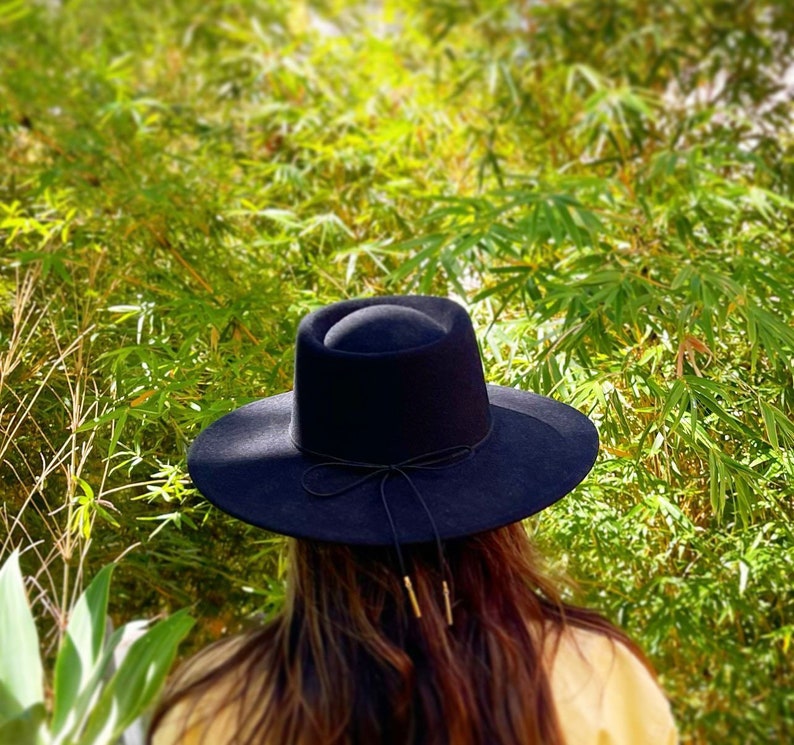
391	434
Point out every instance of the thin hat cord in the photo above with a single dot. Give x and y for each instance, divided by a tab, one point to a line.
436	460
439	547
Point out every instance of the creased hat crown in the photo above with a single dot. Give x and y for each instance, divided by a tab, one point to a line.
382	328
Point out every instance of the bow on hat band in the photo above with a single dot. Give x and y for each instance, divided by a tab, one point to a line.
436	460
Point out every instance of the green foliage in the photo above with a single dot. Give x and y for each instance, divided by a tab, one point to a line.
21	690
91	705
607	184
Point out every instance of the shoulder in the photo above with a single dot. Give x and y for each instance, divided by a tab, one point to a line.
203	715
604	694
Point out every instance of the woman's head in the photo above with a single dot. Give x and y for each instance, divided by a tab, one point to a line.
391	438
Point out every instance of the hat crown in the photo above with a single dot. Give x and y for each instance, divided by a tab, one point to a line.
382	328
384	380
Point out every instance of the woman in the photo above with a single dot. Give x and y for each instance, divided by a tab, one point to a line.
416	614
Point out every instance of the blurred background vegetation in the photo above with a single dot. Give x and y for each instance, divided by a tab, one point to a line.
607	185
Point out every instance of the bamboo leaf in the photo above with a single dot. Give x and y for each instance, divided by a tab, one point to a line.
769	423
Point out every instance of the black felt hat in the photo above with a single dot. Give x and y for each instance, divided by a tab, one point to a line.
391	434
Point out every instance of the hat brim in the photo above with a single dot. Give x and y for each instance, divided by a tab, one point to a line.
538	450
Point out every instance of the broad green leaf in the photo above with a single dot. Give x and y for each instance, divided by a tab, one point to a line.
81	707
20	664
81	649
8	702
137	681
27	728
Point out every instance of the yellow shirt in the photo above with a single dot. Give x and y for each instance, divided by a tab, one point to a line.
603	694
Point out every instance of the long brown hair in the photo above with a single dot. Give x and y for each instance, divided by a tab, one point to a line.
346	663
